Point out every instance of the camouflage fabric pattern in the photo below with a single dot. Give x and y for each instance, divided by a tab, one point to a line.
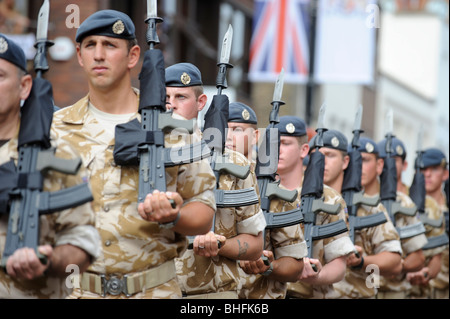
286	241
325	249
129	243
200	275
409	245
372	240
433	211
73	226
441	281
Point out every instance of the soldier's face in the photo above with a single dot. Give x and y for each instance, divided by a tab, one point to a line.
14	86
371	168
241	137
434	177
335	164
183	101
291	154
107	61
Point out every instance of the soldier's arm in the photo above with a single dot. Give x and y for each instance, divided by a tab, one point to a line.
25	264
389	263
414	261
243	247
192	219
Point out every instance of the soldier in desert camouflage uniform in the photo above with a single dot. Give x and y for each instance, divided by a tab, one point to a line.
330	254
285	247
139	242
379	247
412	259
66	237
208	271
432	280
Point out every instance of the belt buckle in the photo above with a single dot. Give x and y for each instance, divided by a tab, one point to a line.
114	285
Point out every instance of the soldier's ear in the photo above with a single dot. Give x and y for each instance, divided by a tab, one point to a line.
26	82
133	56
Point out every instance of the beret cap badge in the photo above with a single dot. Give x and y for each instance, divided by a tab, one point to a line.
369	147
399	150
245	115
335	141
3	45
185	78
290	128
118	27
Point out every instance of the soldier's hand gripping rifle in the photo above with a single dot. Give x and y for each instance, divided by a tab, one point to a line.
312	201
143	143
27	200
388	188
214	133
352	189
418	195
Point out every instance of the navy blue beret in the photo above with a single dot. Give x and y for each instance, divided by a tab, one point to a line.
398	148
291	126
367	145
241	113
11	52
183	75
109	23
433	157
332	139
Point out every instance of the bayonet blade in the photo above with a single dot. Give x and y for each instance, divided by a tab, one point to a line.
42	25
389	122
321	120
358	119
226	46
152	10
420	138
278	92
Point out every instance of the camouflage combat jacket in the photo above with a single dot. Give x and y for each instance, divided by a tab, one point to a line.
359	283
325	249
198	274
284	242
74	226
409	245
129	243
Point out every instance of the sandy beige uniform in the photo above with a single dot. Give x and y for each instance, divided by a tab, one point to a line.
433	211
130	245
286	241
218	277
325	249
373	240
74	226
399	287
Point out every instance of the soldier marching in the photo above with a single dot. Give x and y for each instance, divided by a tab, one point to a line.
132	239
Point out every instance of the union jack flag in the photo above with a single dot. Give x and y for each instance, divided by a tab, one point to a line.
280	40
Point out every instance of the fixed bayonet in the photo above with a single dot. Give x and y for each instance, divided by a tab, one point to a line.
279	84
152	9
226	46
42	25
224	61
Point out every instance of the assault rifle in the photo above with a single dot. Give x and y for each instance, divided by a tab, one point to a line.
266	167
143	143
214	133
27	200
352	189
312	201
418	194
388	188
